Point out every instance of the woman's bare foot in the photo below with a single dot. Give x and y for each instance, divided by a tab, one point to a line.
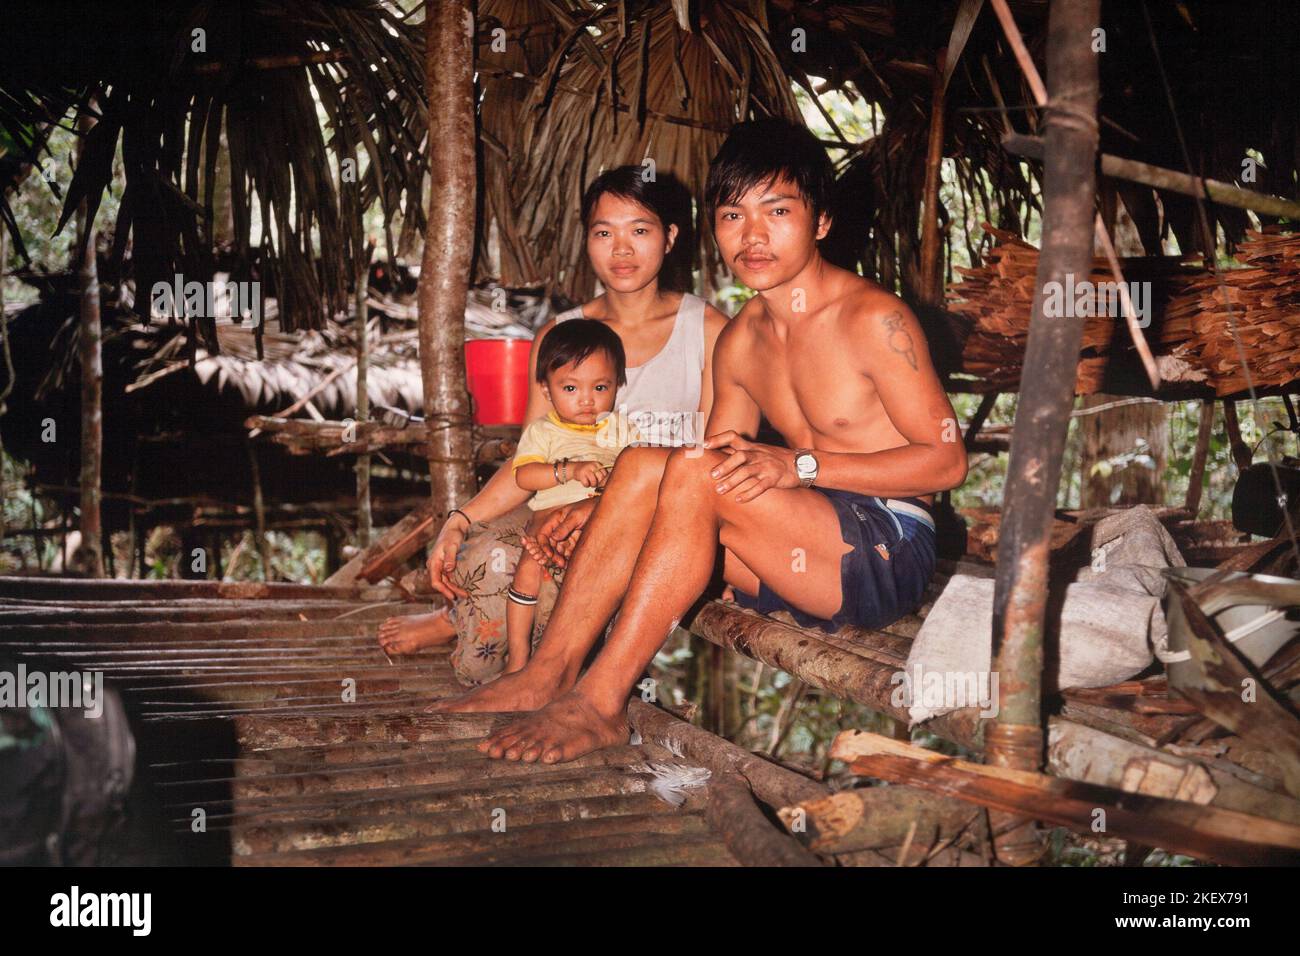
407	634
563	730
528	689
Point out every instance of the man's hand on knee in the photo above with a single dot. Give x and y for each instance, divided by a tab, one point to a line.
750	468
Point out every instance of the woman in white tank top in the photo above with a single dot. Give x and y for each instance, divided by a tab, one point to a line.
669	391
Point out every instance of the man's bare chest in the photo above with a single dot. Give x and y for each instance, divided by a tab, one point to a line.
812	394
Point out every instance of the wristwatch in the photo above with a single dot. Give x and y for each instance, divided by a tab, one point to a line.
805	466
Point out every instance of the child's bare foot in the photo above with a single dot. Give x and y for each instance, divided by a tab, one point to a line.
563	730
407	634
528	689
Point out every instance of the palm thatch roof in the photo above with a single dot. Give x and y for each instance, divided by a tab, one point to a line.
570	87
179	86
623	83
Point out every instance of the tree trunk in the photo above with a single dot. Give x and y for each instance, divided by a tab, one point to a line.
92	390
448	250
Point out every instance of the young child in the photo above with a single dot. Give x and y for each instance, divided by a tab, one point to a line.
566	455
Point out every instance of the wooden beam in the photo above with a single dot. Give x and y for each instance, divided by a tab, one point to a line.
390	549
1208	833
773	784
1046	395
1157	177
749	835
872	818
863	669
1076	752
80	589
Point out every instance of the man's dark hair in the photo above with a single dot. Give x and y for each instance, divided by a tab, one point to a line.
666	197
758	151
574	341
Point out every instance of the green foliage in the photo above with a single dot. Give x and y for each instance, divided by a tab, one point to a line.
36	209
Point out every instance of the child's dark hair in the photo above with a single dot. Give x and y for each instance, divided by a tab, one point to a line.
757	151
574	341
663	195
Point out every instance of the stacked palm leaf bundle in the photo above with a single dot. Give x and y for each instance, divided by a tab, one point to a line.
1265	301
996	299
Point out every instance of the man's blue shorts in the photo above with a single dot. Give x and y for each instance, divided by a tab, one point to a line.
886	573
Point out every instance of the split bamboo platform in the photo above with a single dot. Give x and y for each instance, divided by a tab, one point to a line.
249	753
273	731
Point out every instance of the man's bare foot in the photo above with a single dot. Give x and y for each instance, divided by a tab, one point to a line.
407	634
563	730
526	689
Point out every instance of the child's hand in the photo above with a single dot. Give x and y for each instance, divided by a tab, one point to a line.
590	473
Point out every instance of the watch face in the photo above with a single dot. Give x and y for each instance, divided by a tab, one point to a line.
805	465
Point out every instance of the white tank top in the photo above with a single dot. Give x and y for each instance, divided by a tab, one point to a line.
662	397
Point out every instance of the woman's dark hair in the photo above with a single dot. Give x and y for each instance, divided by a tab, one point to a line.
757	151
665	196
574	340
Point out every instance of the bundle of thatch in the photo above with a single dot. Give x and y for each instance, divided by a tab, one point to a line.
997	299
318	366
1265	301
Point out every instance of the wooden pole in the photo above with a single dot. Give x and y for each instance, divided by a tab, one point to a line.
1241	454
448	250
931	266
1157	177
259	515
1046	398
750	837
89	340
1197	475
8	370
363	400
872	818
1099	227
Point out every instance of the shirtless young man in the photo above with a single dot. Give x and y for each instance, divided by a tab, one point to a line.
835	528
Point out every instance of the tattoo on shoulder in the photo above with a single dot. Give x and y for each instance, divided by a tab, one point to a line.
900	339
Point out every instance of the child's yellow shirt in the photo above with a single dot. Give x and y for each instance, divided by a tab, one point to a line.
550	438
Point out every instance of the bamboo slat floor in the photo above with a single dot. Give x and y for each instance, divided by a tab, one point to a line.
281	726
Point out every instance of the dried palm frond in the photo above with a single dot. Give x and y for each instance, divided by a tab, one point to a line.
179	85
624	83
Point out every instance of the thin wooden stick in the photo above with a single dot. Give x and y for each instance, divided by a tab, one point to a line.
1099	226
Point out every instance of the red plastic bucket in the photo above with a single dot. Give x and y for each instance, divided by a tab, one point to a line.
497	370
